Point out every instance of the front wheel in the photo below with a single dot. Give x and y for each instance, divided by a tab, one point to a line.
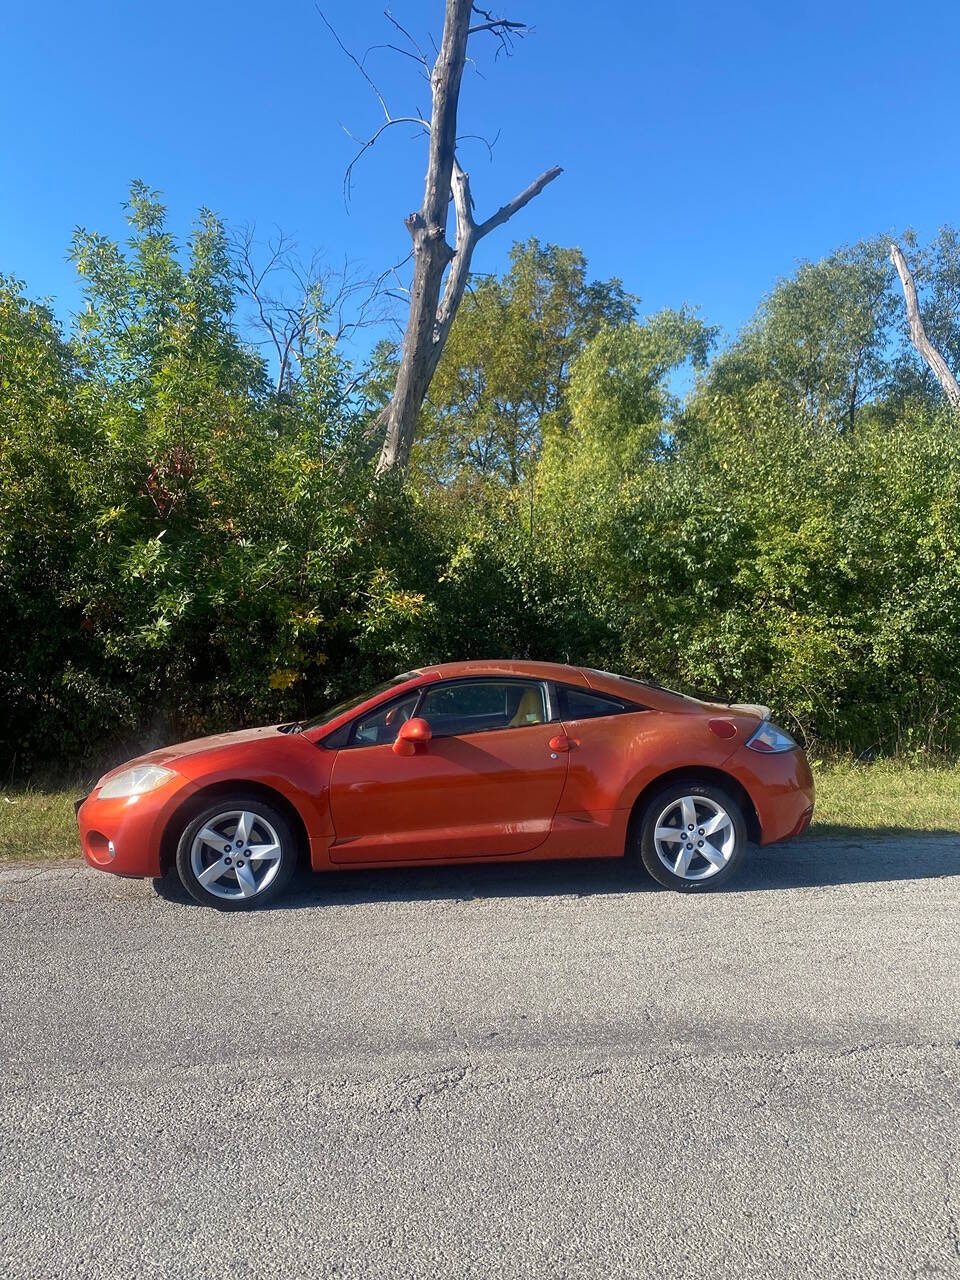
237	853
692	837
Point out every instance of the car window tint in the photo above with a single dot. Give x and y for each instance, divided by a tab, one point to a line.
577	704
382	724
482	705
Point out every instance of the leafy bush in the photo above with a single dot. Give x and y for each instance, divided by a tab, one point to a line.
185	549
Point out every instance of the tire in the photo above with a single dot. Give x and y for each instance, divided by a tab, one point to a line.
709	858
210	841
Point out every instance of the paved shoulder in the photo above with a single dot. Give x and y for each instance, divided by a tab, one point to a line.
541	1070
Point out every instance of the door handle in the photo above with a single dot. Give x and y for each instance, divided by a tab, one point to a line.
560	742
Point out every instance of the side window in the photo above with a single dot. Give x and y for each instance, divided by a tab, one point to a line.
381	725
578	704
480	705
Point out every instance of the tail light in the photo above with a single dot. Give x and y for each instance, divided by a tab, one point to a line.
769	739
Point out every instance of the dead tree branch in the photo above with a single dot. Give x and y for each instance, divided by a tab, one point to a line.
440	272
504	29
918	335
368	143
297	305
418	52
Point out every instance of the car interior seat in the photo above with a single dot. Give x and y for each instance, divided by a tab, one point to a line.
529	710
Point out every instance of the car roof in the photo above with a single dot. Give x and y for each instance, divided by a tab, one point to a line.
627	687
507	667
603	681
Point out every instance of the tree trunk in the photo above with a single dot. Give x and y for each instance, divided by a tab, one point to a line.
918	335
431	315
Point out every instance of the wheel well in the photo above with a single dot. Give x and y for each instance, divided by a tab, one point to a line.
193	804
698	773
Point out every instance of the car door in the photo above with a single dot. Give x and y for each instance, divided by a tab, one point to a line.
486	785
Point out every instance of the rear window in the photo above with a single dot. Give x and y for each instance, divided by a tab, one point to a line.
641	684
579	704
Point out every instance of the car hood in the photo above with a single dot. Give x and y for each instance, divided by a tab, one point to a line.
178	750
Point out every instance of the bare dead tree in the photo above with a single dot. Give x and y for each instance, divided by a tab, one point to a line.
918	335
440	272
295	304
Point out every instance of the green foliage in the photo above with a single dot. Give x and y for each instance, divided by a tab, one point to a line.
184	548
820	337
620	404
180	549
501	384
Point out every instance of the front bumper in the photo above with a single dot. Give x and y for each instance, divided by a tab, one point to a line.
125	835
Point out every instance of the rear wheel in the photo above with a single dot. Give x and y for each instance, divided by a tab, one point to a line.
236	854
692	837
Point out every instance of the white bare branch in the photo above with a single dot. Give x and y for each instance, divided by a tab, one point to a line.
440	272
355	60
506	211
348	174
918	335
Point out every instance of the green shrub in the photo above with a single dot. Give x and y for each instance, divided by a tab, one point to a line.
184	549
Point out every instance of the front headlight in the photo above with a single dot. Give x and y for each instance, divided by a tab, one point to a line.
136	781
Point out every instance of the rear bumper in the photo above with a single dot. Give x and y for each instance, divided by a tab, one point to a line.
781	788
125	836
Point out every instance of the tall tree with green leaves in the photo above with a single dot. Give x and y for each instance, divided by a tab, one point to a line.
155	332
821	337
503	379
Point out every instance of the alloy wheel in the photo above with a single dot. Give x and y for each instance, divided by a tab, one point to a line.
236	854
694	837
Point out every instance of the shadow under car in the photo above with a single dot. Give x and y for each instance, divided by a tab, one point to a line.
847	855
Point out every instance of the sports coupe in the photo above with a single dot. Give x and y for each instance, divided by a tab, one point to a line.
467	761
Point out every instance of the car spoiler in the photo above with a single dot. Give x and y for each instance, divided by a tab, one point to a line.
750	709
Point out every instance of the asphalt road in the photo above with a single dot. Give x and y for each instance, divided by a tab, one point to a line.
556	1070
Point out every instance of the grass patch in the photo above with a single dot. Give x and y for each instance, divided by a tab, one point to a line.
39	824
888	794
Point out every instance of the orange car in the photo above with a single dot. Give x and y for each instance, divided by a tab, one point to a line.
468	760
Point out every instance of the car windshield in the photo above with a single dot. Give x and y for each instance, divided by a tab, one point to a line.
331	713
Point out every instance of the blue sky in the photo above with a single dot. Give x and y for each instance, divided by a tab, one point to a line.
706	147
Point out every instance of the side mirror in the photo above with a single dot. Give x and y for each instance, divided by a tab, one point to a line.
412	733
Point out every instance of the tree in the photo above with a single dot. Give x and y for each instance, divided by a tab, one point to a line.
299	307
622	414
503	377
618	387
918	334
820	337
154	331
440	272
